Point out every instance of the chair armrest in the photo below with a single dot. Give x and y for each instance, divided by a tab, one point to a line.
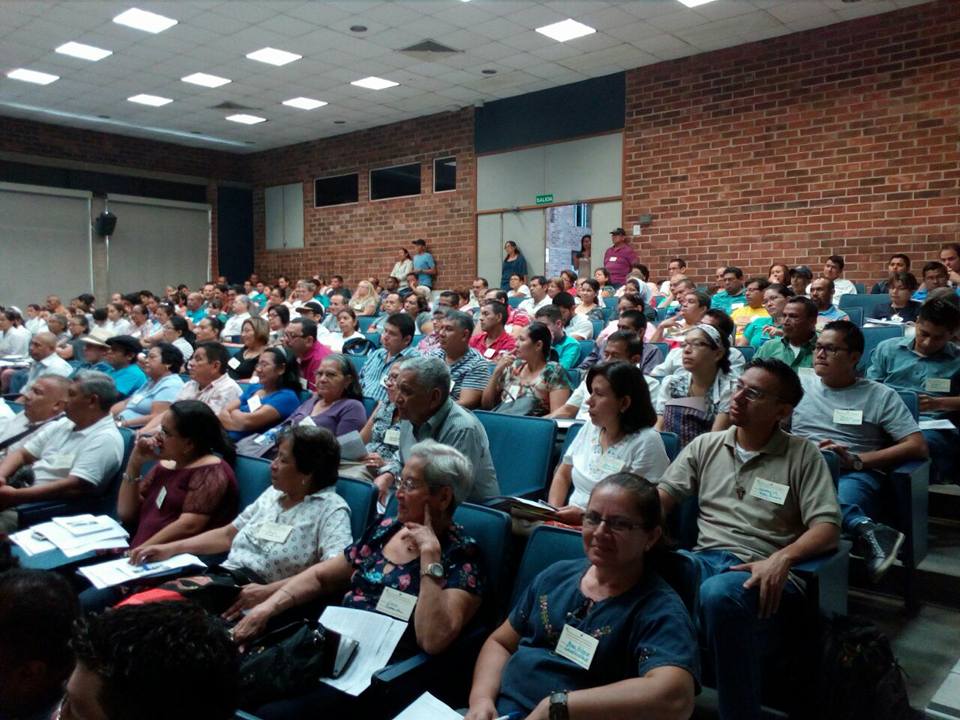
37	512
911	481
826	577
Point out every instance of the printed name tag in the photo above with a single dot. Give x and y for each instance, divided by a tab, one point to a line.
307	422
848	417
736	306
62	460
392	437
577	646
254	403
770	491
304	383
937	385
396	604
452	383
613	259
254	379
233	363
611	465
136	399
807	371
489	353
161	496
274	532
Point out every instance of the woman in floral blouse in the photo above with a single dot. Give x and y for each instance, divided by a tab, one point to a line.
420	553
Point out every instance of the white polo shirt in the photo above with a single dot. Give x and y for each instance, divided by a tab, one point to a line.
93	454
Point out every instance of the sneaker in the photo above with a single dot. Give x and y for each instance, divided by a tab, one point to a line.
879	545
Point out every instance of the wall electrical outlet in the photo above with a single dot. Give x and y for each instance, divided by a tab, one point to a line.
636	229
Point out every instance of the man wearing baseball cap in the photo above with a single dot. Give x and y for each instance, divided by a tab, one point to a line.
619	258
122	352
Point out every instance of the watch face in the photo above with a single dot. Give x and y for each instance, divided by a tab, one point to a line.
435	570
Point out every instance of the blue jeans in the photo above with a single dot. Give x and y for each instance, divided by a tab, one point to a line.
859	496
738	642
944	455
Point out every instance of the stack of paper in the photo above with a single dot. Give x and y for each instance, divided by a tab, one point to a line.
378	636
120	571
427	707
73	536
523	508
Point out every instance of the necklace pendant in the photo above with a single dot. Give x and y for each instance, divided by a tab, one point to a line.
740	492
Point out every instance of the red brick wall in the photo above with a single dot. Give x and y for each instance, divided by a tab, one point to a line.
841	140
362	239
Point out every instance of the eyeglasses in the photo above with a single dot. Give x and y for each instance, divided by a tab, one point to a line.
696	344
407	485
614	524
752	394
291	336
831	350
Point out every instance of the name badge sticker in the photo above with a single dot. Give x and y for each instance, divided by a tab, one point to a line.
611	465
136	399
307	422
848	417
770	491
489	353
392	437
62	460
937	385
233	363
274	532
161	496
304	383
254	403
396	604
577	647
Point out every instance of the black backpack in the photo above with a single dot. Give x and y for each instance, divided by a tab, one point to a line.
858	676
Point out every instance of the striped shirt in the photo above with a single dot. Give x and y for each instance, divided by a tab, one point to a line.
470	372
375	370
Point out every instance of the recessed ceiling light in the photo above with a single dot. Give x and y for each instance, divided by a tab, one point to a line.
564	30
210	81
695	3
244	119
272	56
32	76
304	103
358	28
84	52
374	83
144	20
151	100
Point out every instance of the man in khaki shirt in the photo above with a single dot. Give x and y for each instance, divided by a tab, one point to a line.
766	502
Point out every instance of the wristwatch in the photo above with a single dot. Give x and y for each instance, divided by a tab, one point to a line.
558	706
434	570
857	462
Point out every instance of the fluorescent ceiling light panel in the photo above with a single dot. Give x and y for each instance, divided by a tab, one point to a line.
84	52
272	56
143	20
374	83
564	30
304	103
32	76
206	80
695	3
246	119
151	100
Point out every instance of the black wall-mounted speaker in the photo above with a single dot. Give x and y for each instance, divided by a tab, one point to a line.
105	223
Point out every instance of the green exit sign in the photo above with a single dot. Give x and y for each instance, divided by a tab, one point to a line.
544	199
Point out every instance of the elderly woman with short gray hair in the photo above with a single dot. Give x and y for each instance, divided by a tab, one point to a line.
420	556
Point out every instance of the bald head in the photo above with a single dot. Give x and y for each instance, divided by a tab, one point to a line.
42	345
46	398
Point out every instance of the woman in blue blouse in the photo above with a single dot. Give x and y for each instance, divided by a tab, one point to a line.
267	402
163	384
513	264
639	658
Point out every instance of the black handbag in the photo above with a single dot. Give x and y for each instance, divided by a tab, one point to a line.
291	660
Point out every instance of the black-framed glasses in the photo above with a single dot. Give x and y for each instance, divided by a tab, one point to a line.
614	524
831	350
752	394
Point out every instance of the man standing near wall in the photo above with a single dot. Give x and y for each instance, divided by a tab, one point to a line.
619	257
424	264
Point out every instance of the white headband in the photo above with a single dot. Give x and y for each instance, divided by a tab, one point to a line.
711	332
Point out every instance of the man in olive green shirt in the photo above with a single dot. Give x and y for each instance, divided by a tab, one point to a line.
795	346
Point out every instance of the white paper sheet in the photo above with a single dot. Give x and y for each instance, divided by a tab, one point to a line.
117	572
427	707
378	636
80	525
351	446
110	535
30	543
6	412
936	425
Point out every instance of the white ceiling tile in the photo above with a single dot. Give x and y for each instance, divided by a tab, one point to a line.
634	32
652	8
217	23
683	20
603	19
498	28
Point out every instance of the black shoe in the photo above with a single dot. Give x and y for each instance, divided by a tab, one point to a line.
879	545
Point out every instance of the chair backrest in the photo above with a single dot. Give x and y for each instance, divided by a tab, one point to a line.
671	443
856	315
573	375
106	502
586	347
664	348
873	336
253	477
369	404
364	322
521	448
361	496
568	440
912	402
357	361
610	303
515	301
547	545
373	337
491	529
867	302
860	288
682	573
747	351
597	326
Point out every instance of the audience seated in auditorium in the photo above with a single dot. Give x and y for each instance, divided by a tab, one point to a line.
898	263
674	359
676	266
591	305
518	287
266	403
732	297
928	365
338	301
254	337
630	316
869	428
122	354
577	326
73	456
538	297
177	332
670	303
800	277
428	412
766	502
779	274
300	338
693	305
758	331
208	330
380	434
821	291
935	275
696	398
240	310
493	341
43	402
14	337
901	308
754	308
37	612
163	364
142	325
44	361
395	343
832	270
798	335
468	369
527	382
619	436
950	257
364	301
77	326
123	654
416	306
644	659
94	352
421	552
564	347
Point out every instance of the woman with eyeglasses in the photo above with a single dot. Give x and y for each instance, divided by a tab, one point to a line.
599	636
268	402
696	398
693	305
620	436
421	553
758	331
278	317
176	331
162	366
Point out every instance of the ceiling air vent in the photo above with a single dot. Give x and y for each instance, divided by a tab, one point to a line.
227	105
429	50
